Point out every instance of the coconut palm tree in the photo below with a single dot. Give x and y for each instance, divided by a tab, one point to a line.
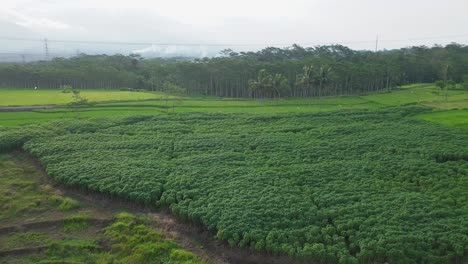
279	84
262	85
306	80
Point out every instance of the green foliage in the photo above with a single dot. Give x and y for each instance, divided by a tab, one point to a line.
127	240
313	79
68	204
451	85
354	72
426	94
59	251
374	186
441	84
67	89
76	222
133	242
20	193
24	239
456	118
173	89
78	100
268	85
22	97
64	204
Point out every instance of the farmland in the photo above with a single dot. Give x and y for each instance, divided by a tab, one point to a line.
307	132
43	223
21	97
357	185
457	118
369	178
426	95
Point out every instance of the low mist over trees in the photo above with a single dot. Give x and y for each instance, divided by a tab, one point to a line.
271	72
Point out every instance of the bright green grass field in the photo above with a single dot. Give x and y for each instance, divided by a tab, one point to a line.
456	118
21	97
419	94
156	103
158	107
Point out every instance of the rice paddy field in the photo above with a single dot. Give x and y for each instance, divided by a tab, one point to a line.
124	103
22	97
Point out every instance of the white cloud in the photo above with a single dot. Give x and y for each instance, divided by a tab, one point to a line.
175	50
243	21
31	22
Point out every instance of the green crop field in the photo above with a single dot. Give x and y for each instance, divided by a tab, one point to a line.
372	186
22	97
64	228
456	118
426	94
373	178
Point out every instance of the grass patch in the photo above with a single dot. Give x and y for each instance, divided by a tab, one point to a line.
22	240
23	197
426	94
417	94
455	118
23	97
132	241
19	192
22	194
68	204
76	222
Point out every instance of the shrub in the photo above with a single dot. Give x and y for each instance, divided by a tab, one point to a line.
67	89
68	204
76	222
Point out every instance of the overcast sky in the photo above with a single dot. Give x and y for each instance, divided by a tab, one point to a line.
354	23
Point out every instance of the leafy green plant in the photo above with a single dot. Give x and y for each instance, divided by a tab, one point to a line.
76	222
67	89
61	250
68	204
78	100
133	242
25	239
366	186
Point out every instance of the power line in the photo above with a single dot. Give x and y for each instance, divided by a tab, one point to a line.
46	49
227	44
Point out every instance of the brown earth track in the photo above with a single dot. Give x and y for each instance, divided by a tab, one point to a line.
25	108
50	223
192	237
22	251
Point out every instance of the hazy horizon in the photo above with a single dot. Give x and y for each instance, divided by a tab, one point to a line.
244	25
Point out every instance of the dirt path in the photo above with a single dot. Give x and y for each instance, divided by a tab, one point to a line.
25	108
194	238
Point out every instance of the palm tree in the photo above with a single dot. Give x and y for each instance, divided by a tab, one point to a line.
262	84
306	80
279	84
323	76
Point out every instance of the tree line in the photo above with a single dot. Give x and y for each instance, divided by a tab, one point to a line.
271	72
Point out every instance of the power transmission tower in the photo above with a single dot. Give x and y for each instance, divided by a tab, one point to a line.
46	49
376	43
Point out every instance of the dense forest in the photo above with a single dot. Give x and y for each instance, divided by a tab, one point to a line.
271	72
